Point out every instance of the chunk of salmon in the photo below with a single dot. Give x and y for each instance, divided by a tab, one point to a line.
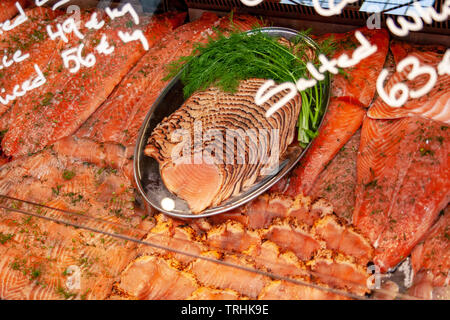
402	185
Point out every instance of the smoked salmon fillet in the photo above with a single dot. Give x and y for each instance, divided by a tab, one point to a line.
402	184
341	122
358	82
67	106
121	116
433	105
8	8
40	48
38	256
337	182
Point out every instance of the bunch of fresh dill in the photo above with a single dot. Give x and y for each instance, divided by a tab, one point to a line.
226	60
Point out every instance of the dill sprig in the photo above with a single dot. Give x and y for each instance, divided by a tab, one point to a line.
227	59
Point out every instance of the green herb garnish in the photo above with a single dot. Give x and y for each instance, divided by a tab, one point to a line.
226	60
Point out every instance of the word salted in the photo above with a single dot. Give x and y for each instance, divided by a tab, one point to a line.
28	85
189	310
365	50
21	18
17	58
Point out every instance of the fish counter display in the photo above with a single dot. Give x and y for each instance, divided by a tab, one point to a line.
362	215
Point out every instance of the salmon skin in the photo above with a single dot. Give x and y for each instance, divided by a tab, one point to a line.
359	82
8	9
69	99
121	116
341	122
434	105
402	184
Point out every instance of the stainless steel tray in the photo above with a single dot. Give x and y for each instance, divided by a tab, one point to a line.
146	169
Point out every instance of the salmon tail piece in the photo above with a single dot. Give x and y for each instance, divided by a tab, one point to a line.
341	122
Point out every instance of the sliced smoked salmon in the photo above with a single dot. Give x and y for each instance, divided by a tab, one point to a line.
403	183
121	116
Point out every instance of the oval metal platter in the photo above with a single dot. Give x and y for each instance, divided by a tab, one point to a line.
146	169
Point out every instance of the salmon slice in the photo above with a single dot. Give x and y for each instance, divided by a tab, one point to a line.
67	107
222	276
339	271
153	278
289	235
181	238
343	239
283	290
271	258
8	9
232	236
433	255
341	122
434	105
121	116
358	82
403	183
337	182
